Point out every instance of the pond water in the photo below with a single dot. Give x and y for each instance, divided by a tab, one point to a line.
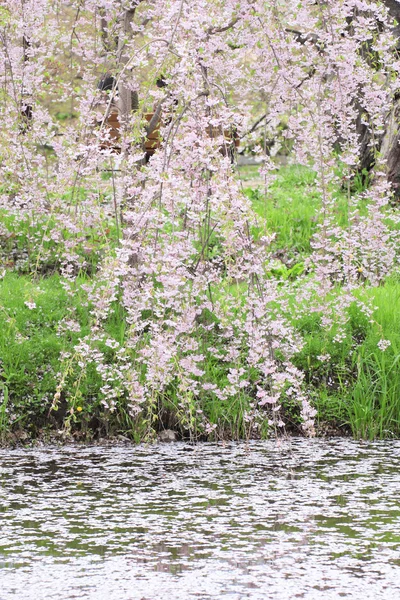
296	519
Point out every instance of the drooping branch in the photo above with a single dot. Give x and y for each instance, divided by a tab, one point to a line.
302	37
26	107
230	25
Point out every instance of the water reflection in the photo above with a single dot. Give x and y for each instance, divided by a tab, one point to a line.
294	520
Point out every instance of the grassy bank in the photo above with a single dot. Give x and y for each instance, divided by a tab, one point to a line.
354	384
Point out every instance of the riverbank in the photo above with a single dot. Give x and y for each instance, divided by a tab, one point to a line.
50	438
50	390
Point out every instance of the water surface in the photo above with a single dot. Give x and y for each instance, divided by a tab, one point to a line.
301	519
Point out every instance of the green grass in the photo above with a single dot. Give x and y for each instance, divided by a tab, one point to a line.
355	388
358	387
374	400
27	245
289	207
31	312
29	345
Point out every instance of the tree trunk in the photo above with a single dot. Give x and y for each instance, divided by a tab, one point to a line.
389	146
128	100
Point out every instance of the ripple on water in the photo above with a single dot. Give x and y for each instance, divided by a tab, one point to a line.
299	519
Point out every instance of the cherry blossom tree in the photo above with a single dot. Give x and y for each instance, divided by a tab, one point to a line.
187	260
